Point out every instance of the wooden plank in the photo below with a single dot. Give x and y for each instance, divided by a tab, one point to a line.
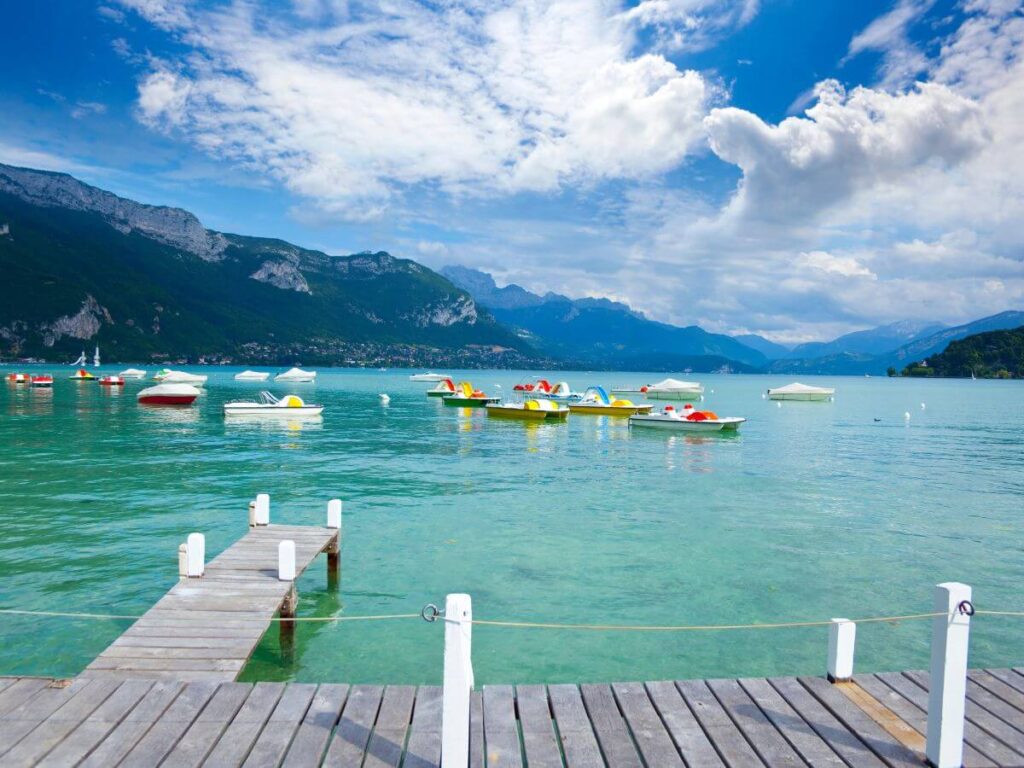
16	694
1009	677
1008	700
810	746
172	651
721	731
348	746
654	742
501	731
611	730
199	665
387	742
284	721
974	737
236	741
307	748
539	742
195	744
835	733
579	744
120	741
769	744
890	722
18	722
153	747
477	757
682	726
423	749
890	751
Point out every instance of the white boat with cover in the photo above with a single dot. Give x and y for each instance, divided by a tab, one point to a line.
168	394
167	376
687	420
268	405
674	389
296	375
252	376
798	391
132	373
428	377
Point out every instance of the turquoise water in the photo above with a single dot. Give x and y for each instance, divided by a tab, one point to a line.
813	510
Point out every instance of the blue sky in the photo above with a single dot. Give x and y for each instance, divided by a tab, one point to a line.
796	168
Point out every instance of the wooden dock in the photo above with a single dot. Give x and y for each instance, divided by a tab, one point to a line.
877	721
206	628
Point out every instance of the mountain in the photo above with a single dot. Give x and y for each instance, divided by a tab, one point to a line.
601	332
992	354
83	266
919	348
769	349
875	341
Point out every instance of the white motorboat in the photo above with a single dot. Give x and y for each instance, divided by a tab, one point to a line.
674	389
169	394
252	376
798	391
268	405
428	377
296	375
168	376
687	420
132	373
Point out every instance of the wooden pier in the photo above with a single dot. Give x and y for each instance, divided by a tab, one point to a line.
206	628
876	721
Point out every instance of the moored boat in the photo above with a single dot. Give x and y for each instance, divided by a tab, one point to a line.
542	386
18	378
804	392
82	375
168	394
467	397
531	410
444	387
43	380
428	377
595	401
560	392
687	420
167	376
268	405
111	381
132	373
296	375
252	376
674	389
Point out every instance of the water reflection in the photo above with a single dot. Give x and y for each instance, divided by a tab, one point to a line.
261	423
168	414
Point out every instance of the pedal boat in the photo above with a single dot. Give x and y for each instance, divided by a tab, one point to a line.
268	405
444	387
467	397
82	375
168	394
531	410
687	420
597	403
111	381
560	393
18	378
43	380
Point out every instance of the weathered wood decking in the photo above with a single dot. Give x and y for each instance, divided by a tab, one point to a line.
877	721
206	628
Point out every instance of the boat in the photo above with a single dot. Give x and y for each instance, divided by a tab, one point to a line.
630	389
252	376
82	375
687	419
674	389
467	397
268	405
798	391
428	377
111	381
168	394
444	387
43	380
132	373
296	375
167	376
96	357
541	386
561	393
595	401
18	378
531	410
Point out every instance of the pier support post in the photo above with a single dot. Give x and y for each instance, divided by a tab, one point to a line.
842	636
196	555
334	548
947	689
286	560
458	681
262	511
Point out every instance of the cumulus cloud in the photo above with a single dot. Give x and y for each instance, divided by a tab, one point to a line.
902	60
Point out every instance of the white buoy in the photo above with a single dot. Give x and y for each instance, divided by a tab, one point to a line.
906	415
778	405
922	406
384	399
764	396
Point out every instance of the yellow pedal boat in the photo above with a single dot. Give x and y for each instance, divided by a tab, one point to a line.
531	410
597	403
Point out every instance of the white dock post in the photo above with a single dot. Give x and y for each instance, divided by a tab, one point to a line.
286	560
196	555
458	681
262	513
842	637
334	513
252	513
183	561
947	690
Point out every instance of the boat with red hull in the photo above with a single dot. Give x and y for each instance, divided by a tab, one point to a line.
168	394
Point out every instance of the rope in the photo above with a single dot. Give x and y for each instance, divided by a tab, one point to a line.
999	613
118	617
695	627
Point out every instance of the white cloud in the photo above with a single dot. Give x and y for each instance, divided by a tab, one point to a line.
691	25
902	60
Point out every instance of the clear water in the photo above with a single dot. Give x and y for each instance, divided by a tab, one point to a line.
813	510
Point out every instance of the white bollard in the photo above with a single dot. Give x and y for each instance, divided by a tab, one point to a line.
947	690
334	514
252	513
458	681
842	637
183	561
196	555
286	560
262	513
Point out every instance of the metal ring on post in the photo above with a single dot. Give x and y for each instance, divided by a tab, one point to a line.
965	608
430	613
